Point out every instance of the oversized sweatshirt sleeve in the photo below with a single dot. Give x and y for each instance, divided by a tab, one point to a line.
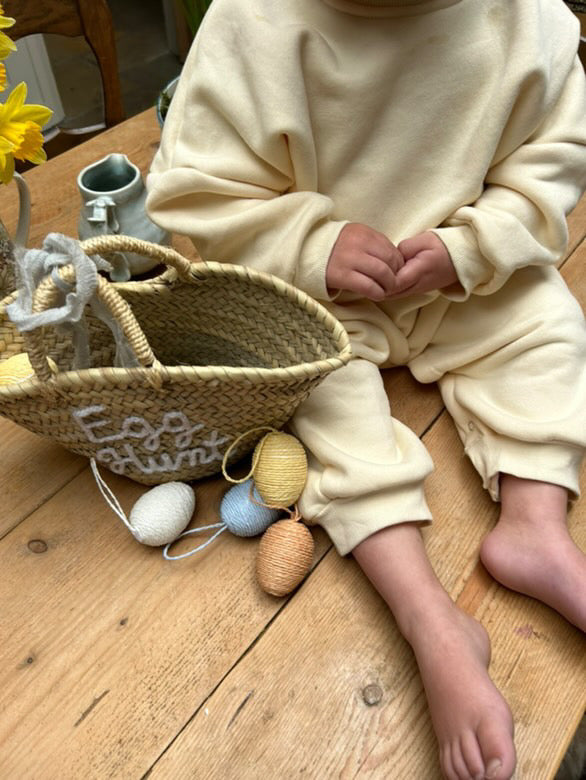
536	179
236	170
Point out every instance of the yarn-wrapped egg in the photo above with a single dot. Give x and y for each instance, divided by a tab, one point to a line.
15	369
242	510
280	468
162	513
284	557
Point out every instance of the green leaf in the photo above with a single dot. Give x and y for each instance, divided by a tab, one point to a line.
195	11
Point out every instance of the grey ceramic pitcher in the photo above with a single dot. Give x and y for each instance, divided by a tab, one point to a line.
113	195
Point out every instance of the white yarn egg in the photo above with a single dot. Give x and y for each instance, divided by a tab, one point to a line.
162	513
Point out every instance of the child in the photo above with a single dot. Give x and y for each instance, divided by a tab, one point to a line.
410	163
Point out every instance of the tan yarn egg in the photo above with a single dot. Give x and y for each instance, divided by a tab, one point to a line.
280	469
284	557
15	369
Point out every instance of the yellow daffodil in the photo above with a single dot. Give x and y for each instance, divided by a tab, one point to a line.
6	44
20	132
20	124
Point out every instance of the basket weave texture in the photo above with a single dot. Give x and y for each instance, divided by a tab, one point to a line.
222	349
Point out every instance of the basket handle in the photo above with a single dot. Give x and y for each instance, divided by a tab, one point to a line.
104	245
118	308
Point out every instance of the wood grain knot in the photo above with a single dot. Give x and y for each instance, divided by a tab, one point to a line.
372	695
37	546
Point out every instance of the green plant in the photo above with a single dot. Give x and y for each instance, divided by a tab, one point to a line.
194	11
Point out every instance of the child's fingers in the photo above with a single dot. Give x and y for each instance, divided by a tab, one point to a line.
409	280
408	275
379	271
387	252
370	241
365	286
413	246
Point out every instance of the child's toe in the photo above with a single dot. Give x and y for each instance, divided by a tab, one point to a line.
496	743
472	755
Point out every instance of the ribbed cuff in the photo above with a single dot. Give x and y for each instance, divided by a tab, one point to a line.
473	270
310	275
557	464
347	531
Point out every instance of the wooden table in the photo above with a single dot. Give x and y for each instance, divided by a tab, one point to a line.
116	663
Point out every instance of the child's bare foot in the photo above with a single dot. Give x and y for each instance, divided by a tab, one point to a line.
531	551
471	719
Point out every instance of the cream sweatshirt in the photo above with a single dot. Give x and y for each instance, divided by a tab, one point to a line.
294	117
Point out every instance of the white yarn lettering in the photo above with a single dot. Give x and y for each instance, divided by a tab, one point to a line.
176	424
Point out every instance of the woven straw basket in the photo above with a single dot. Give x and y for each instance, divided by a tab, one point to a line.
222	350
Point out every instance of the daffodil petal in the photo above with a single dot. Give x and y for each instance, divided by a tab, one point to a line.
7	169
16	98
7	46
38	157
21	125
5	146
33	113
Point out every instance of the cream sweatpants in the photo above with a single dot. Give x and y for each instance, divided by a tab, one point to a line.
511	368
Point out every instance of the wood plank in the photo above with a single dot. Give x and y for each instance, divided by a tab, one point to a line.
103	659
137	137
295	704
55	199
111	647
82	658
412	403
313	696
33	470
112	651
184	626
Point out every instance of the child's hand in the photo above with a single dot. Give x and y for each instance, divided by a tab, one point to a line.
365	262
428	266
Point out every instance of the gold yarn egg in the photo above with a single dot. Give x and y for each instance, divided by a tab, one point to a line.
15	369
280	468
284	557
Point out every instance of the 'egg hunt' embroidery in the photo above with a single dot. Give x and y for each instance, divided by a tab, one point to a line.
91	418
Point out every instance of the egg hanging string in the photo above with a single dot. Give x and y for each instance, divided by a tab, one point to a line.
279	467
158	516
255	455
245	510
240	513
221	526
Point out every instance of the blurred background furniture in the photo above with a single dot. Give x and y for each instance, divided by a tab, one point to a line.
91	20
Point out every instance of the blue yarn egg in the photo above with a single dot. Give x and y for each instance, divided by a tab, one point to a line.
241	515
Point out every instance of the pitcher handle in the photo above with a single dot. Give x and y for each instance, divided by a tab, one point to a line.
24	213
